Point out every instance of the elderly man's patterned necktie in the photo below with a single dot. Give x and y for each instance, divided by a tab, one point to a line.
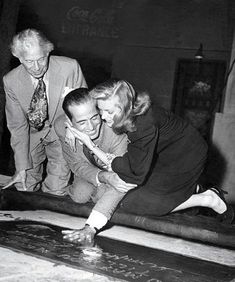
38	108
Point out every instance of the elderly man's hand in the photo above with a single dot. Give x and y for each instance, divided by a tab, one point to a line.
18	177
84	236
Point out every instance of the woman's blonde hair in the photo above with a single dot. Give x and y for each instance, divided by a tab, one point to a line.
131	104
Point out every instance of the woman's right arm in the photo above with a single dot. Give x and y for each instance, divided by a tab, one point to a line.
134	166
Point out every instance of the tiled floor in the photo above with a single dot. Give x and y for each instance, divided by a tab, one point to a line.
18	267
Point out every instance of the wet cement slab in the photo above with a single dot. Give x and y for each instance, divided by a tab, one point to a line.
198	227
108	257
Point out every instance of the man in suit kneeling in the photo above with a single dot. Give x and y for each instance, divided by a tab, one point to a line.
91	181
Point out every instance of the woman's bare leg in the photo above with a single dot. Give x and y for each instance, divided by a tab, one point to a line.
206	199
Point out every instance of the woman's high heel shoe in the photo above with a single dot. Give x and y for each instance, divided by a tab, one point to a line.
227	216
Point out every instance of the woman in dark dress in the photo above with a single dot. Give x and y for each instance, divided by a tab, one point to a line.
165	155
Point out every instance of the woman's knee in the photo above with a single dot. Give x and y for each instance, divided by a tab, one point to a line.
144	204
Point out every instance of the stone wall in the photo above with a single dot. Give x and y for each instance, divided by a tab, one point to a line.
224	133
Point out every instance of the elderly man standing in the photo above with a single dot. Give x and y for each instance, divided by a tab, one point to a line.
34	95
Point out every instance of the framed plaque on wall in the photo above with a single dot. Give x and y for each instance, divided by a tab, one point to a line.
198	91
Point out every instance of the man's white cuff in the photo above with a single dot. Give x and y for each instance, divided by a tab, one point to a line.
97	220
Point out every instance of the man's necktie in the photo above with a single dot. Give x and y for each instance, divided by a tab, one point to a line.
90	156
38	108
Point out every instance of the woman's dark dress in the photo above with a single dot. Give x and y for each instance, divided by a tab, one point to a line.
165	157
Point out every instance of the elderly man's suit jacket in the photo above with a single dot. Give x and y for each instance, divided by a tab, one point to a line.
108	141
63	73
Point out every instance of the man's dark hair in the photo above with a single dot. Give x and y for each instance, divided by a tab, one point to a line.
75	97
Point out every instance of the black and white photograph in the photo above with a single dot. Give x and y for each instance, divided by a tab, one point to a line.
117	140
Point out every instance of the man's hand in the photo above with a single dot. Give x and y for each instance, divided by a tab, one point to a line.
84	236
114	180
18	177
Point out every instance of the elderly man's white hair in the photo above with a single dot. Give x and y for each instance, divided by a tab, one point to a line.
27	39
